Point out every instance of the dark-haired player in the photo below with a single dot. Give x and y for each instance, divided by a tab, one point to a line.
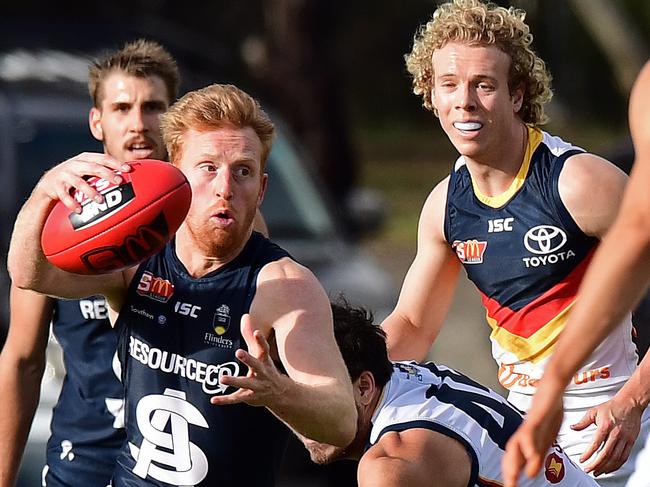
425	424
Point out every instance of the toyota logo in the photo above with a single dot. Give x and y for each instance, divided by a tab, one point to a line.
544	239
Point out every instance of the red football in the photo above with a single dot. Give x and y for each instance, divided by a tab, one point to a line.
135	220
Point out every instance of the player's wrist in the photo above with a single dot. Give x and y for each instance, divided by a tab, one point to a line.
634	398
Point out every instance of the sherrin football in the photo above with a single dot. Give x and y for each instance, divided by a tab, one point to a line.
135	220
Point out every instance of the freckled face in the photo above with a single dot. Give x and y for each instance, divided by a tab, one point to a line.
472	97
223	167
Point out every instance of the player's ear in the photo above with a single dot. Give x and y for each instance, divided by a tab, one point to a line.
263	185
95	123
365	386
517	97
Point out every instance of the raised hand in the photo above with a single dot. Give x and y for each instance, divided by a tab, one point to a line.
263	385
60	181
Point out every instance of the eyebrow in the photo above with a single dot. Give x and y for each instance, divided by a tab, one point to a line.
245	157
149	103
479	77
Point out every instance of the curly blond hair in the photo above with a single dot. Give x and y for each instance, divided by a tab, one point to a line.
478	23
214	107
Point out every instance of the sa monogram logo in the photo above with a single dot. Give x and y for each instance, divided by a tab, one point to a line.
156	414
469	251
221	320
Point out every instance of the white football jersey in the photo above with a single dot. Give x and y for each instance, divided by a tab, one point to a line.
440	399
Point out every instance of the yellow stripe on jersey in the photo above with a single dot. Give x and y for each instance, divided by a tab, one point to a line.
535	138
534	348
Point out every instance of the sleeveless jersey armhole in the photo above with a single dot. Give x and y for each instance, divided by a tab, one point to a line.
439	428
449	210
561	210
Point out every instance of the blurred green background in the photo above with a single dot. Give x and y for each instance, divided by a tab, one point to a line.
334	71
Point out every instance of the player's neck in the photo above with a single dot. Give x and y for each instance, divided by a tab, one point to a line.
358	447
199	258
493	173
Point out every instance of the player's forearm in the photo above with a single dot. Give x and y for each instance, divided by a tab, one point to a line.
405	341
20	383
636	390
615	281
26	261
325	413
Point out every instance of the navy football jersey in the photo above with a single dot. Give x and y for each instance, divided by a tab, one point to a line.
177	336
88	420
527	257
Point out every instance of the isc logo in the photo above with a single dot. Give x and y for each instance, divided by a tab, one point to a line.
187	309
500	225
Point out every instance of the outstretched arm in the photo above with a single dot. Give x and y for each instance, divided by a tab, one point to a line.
428	287
316	398
617	278
22	363
27	264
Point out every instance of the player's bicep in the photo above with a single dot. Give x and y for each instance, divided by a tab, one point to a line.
62	284
294	305
430	282
592	189
30	316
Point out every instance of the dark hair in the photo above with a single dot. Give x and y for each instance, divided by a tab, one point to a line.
362	343
141	58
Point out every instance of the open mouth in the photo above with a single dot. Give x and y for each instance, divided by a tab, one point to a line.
468	126
140	150
224	217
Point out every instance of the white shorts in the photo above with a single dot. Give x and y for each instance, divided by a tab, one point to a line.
575	443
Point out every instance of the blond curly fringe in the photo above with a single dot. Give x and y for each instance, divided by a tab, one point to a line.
475	22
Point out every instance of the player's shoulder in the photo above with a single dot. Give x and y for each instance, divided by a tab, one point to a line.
284	268
431	457
439	192
433	210
588	184
285	282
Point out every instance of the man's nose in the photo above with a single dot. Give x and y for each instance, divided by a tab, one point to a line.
136	121
465	99
224	184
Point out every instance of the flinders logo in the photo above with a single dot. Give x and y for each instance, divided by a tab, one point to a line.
221	320
220	325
